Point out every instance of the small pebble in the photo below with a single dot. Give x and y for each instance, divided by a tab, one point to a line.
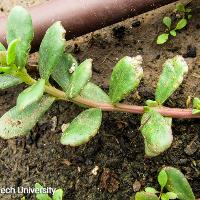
95	170
136	186
54	121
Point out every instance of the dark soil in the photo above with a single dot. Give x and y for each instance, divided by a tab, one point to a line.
117	151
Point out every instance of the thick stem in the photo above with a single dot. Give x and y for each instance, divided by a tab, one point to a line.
165	111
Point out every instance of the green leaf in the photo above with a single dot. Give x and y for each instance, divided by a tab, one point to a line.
15	123
58	194
162	178
94	93
195	111
196	106
162	38
19	25
40	195
61	72
164	197
2	48
80	78
31	95
178	184
151	103
156	131
173	33
167	21
51	50
196	103
11	53
171	78
180	7
145	196
151	190
82	128
7	81
181	24
172	195
125	78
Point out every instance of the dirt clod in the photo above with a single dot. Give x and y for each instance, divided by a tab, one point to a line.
109	181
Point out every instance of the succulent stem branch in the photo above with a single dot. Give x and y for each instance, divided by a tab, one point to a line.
120	107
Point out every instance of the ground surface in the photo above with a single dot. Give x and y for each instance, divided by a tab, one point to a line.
118	149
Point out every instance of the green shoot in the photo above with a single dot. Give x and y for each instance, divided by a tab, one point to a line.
173	27
173	185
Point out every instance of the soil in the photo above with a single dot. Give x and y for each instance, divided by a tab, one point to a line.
116	153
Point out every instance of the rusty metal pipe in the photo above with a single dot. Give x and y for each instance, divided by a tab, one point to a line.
82	16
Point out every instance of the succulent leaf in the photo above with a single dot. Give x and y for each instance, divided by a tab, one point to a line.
31	95
178	184
82	128
19	26
125	78
172	76
51	50
156	131
61	73
15	123
80	78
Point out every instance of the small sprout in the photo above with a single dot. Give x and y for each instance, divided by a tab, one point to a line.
172	27
180	7
167	21
173	33
181	24
162	38
57	195
162	179
172	195
151	190
173	186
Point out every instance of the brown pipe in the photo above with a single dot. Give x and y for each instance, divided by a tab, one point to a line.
82	16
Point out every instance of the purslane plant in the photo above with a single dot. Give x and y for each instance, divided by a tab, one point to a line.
74	79
173	185
185	14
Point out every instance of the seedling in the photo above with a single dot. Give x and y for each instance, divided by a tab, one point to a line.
172	28
58	194
76	87
173	185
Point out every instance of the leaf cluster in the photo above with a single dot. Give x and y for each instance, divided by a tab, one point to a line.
173	27
75	84
173	185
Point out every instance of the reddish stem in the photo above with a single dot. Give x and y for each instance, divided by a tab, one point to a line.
165	111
